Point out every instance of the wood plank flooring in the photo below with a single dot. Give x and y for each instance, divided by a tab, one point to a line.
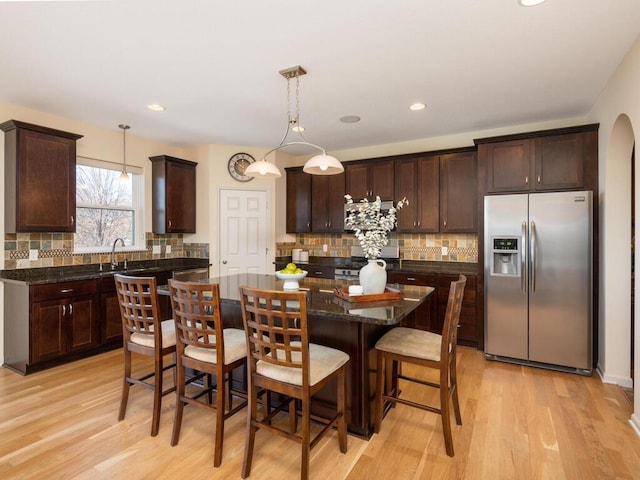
518	423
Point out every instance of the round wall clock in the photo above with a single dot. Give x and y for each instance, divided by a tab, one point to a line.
238	163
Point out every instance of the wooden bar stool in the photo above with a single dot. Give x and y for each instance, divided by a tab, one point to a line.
426	349
281	359
203	344
144	334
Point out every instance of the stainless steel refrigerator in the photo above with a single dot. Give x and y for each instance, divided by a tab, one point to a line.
538	279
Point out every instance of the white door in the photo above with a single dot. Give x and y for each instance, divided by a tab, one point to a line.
244	231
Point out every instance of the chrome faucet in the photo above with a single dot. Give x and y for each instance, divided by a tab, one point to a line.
114	264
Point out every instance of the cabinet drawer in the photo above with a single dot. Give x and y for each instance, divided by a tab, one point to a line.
319	271
63	290
420	279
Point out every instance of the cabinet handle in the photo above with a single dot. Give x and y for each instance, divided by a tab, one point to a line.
411	279
70	309
64	310
169	222
66	290
526	180
445	223
318	273
538	178
72	219
418	222
414	223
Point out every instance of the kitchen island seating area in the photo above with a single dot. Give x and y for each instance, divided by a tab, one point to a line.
281	360
425	349
144	333
273	352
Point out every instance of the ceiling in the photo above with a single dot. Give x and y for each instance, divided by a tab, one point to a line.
477	64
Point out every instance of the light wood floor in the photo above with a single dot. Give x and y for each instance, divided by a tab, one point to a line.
518	423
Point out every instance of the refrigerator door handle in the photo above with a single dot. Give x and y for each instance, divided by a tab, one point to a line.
533	255
523	258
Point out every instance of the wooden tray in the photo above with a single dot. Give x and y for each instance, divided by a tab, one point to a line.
389	294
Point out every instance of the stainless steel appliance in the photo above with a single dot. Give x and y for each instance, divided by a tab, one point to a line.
538	279
350	269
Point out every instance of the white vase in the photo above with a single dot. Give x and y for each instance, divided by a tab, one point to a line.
373	277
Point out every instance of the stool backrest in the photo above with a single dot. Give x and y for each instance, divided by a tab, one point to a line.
138	299
452	317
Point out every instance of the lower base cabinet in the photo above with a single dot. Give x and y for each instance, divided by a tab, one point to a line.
430	315
49	324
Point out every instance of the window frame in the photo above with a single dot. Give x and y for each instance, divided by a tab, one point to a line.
137	207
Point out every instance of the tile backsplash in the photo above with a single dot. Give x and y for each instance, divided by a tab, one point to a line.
460	247
56	250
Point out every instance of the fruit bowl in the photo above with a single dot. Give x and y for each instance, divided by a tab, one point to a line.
291	279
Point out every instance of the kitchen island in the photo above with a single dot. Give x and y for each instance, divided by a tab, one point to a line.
351	327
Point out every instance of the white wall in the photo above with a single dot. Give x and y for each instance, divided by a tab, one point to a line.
618	112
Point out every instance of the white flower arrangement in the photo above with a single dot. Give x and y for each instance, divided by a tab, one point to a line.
371	227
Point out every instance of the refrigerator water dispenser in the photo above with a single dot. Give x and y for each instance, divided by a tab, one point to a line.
505	257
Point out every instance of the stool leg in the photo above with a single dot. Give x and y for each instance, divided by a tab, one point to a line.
220	410
125	384
445	411
177	419
306	434
380	388
251	430
157	395
342	408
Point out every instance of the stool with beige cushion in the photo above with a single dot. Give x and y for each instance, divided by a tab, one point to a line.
426	349
202	344
144	334
281	359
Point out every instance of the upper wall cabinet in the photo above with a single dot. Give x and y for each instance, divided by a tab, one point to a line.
40	178
543	161
417	180
327	203
458	193
369	179
173	195
298	201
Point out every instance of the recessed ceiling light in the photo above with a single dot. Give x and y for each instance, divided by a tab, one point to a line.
156	107
350	119
298	128
417	106
531	3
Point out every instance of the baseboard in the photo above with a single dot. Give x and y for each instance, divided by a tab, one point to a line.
626	382
634	421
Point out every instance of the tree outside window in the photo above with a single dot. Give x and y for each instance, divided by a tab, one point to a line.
104	208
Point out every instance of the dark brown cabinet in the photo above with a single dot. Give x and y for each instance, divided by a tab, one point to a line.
64	320
327	203
298	201
458	193
40	178
319	271
424	317
468	325
370	179
417	180
544	162
173	195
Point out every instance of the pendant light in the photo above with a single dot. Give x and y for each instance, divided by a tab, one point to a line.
321	164
124	176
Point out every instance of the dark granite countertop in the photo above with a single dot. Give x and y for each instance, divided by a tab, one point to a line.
322	301
37	276
404	266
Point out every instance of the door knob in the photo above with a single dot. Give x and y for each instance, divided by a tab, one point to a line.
224	262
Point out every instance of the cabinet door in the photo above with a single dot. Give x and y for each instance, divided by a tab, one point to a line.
424	317
48	333
467	325
319	199
559	162
509	166
458	199
181	198
84	331
335	203
111	319
428	194
357	181
381	180
405	187
298	201
46	183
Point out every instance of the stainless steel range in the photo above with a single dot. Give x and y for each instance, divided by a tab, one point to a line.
350	269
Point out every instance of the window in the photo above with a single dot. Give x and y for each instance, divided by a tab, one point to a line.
106	207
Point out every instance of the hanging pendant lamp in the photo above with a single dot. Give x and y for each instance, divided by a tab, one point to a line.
124	176
321	164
